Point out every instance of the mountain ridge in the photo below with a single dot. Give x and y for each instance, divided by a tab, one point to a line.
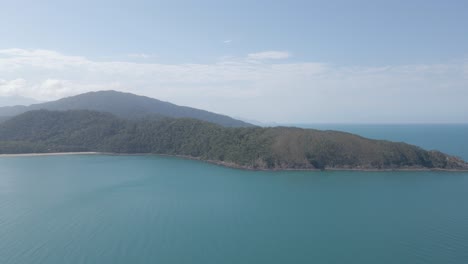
16	100
126	105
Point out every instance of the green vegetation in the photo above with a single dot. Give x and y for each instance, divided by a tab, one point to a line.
125	105
254	147
4	118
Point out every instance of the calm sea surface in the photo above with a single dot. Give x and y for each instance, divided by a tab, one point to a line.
148	209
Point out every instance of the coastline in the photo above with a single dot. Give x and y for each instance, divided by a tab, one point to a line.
50	154
232	165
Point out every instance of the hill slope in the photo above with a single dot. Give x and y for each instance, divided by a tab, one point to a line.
125	105
255	148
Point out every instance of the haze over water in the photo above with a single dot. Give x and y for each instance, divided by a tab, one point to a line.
150	209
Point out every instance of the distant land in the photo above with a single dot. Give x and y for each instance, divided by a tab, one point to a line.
124	105
130	124
16	100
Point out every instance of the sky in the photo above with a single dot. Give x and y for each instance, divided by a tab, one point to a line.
269	61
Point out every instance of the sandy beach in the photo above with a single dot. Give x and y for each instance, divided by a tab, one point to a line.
229	164
49	154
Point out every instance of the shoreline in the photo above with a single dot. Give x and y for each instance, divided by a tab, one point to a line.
228	164
50	154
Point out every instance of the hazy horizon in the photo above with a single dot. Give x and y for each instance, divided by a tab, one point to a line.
295	62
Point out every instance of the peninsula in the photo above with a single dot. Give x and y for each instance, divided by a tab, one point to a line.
82	128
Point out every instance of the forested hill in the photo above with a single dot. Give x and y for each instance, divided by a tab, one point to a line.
254	147
125	105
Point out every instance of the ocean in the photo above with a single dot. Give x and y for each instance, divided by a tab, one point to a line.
153	209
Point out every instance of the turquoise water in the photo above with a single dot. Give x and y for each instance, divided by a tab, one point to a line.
149	209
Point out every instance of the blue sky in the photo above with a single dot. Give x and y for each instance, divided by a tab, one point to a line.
221	55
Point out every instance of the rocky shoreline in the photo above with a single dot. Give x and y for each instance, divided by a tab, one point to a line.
237	166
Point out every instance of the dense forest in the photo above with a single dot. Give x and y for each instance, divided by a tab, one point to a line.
45	131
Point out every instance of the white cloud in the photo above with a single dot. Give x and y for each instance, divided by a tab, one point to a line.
139	55
227	41
14	59
269	55
12	87
255	89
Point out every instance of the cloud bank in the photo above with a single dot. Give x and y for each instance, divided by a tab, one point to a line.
269	55
254	87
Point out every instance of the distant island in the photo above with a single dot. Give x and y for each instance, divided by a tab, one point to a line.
121	123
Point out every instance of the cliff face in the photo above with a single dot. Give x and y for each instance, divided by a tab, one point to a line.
252	148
